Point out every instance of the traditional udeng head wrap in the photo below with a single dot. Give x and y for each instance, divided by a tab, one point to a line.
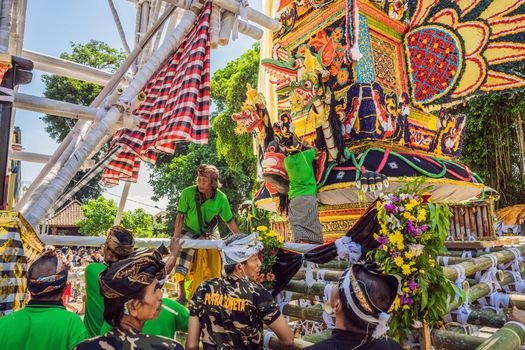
358	306
115	242
46	284
125	278
239	248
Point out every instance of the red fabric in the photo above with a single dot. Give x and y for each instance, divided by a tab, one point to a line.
176	109
66	297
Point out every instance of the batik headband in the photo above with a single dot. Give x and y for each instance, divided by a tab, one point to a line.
47	284
127	277
116	246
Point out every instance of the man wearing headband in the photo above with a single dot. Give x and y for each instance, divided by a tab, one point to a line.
132	295
44	323
362	302
119	245
198	209
229	312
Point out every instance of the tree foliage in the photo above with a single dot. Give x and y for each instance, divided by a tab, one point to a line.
99	216
494	143
230	152
94	54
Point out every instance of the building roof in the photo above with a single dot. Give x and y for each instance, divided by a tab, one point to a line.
67	216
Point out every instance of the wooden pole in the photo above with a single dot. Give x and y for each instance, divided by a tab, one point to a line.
122	203
509	337
518	300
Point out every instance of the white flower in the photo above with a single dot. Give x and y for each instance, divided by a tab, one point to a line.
416	249
417	324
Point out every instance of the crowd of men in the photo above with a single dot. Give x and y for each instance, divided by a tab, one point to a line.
125	308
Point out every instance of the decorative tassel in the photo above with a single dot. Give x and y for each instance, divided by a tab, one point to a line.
382	326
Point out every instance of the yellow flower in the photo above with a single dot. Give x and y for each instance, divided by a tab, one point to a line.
399	261
432	262
260	238
272	234
281	239
406	290
385	248
400	246
406	215
421	214
422	271
405	269
406	307
262	228
409	255
376	236
397	303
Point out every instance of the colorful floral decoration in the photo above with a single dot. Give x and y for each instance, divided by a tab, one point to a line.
413	232
457	49
272	242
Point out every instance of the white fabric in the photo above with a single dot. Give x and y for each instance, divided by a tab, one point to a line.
499	300
266	340
284	298
242	249
320	276
466	254
348	249
309	277
463	313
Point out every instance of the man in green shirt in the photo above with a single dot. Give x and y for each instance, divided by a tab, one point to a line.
198	209
303	214
120	245
44	323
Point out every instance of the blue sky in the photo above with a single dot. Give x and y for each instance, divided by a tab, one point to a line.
51	25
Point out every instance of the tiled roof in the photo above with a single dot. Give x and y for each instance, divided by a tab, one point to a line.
68	216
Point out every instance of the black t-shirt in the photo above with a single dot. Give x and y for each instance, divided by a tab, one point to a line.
231	312
345	340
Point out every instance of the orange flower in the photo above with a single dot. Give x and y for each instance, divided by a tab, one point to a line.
270	276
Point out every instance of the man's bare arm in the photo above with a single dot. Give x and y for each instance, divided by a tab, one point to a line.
232	225
179	220
194	333
282	331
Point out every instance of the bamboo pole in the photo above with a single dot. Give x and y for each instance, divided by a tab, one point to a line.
509	337
335	265
55	65
447	340
313	313
482	263
68	145
329	275
122	203
518	300
54	107
33	157
100	127
6	7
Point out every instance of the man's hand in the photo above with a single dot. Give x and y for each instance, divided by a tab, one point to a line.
517	315
175	245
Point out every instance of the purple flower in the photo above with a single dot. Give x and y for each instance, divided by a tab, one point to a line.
413	284
424	228
406	301
382	240
395	199
411	229
394	255
390	208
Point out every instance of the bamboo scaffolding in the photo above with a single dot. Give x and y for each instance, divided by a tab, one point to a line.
448	340
54	107
68	145
57	185
33	157
59	66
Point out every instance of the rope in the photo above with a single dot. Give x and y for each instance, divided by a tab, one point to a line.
266	340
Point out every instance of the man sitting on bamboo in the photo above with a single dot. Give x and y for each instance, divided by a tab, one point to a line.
361	301
198	209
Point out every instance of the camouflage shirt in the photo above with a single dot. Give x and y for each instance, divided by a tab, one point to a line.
231	313
117	339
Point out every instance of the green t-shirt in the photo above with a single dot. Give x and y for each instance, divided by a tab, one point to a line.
169	321
217	205
41	326
301	173
94	316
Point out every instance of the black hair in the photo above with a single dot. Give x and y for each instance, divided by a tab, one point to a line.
37	268
114	308
228	269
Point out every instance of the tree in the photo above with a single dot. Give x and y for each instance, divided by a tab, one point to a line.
99	216
231	153
94	54
494	143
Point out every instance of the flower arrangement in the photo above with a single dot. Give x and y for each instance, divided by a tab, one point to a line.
413	232
272	242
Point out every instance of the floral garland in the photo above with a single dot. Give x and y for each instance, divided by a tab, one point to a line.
272	242
413	233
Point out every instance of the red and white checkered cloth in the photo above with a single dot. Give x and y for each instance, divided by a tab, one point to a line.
177	107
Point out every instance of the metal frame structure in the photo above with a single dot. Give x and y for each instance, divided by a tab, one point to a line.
160	28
